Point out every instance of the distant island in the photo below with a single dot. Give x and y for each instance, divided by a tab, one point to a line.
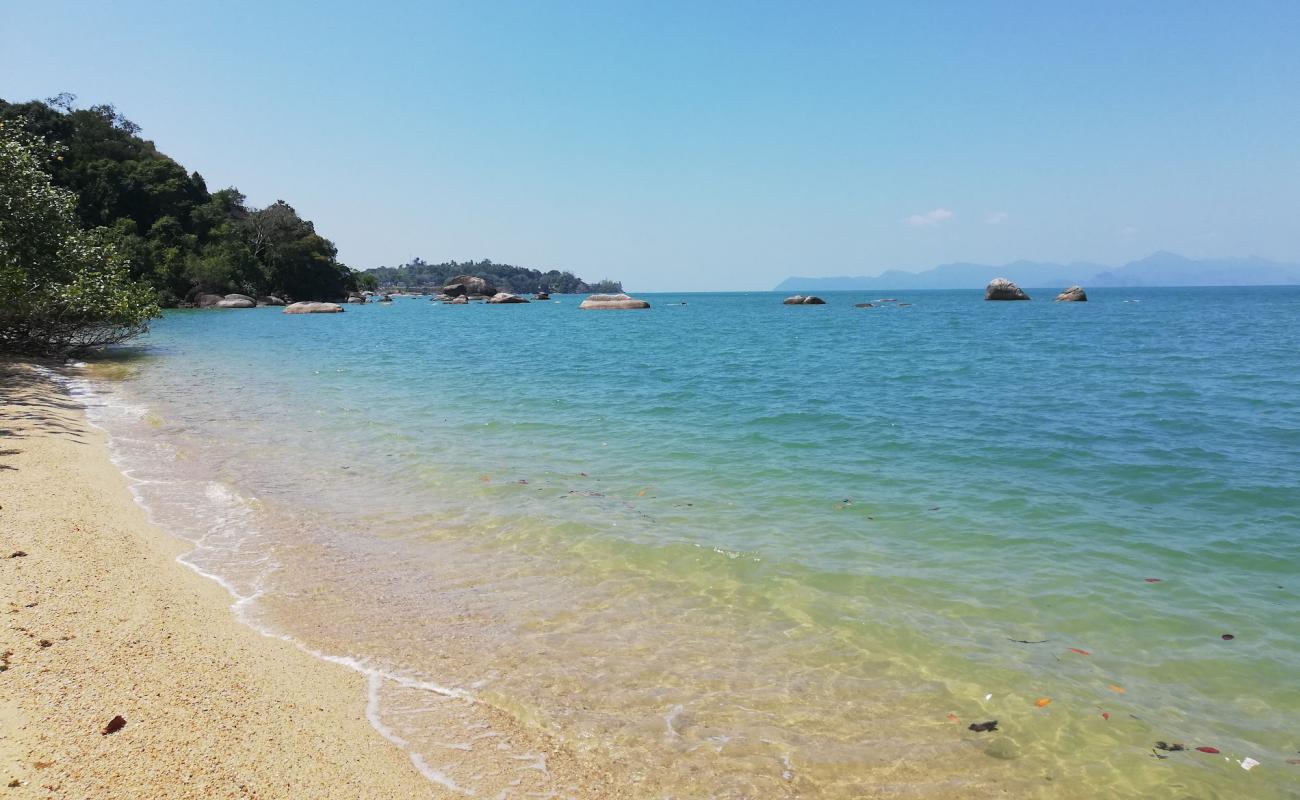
1158	269
419	275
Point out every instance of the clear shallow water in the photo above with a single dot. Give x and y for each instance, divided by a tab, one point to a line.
743	549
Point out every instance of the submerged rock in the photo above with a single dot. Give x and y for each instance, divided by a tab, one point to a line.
312	308
505	297
801	300
1075	294
1003	289
612	302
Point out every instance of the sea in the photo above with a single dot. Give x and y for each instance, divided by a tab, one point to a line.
730	548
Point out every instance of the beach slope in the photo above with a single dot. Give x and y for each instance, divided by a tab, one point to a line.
101	621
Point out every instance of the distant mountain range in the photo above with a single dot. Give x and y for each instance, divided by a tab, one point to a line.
1158	269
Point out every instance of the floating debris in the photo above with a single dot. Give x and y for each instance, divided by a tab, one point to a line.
1078	651
984	727
1027	641
1227	637
1152	580
1043	702
1248	763
1170	748
1105	715
1117	689
1207	750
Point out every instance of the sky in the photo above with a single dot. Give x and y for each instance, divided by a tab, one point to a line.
712	145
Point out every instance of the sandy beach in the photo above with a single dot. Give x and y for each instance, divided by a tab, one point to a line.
101	621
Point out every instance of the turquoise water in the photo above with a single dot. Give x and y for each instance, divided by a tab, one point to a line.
760	551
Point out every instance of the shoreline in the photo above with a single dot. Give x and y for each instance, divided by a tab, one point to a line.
104	621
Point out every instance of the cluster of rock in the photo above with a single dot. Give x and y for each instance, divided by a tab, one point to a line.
505	297
313	308
612	302
801	300
1003	289
235	301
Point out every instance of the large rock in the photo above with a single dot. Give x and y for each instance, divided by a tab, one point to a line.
542	296
270	300
312	308
612	302
458	301
1075	294
801	300
1003	289
505	297
237	301
469	284
356	297
208	300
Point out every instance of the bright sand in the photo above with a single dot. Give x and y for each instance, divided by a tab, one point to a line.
103	621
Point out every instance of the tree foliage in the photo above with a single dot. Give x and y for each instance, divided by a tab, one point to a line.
177	236
418	273
62	288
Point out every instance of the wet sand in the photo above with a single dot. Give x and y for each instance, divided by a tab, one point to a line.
102	621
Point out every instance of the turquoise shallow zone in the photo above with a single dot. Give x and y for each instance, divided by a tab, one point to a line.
838	519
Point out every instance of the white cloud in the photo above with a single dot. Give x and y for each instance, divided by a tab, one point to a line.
997	218
929	219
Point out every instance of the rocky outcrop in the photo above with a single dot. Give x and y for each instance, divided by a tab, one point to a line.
864	305
208	300
801	300
1003	289
270	300
612	302
236	301
458	301
312	308
542	296
469	285
356	297
384	298
1075	294
505	297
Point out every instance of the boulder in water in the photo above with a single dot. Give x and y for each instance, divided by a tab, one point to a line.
312	308
469	285
505	297
542	296
1075	294
801	300
612	302
458	301
1003	289
270	300
236	301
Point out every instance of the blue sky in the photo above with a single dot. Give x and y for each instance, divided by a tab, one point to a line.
712	145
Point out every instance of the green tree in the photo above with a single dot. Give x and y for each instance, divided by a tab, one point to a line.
62	288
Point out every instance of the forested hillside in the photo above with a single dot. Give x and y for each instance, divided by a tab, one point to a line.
177	236
507	278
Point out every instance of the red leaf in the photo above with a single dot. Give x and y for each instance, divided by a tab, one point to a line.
1105	715
1208	749
1151	580
1077	650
